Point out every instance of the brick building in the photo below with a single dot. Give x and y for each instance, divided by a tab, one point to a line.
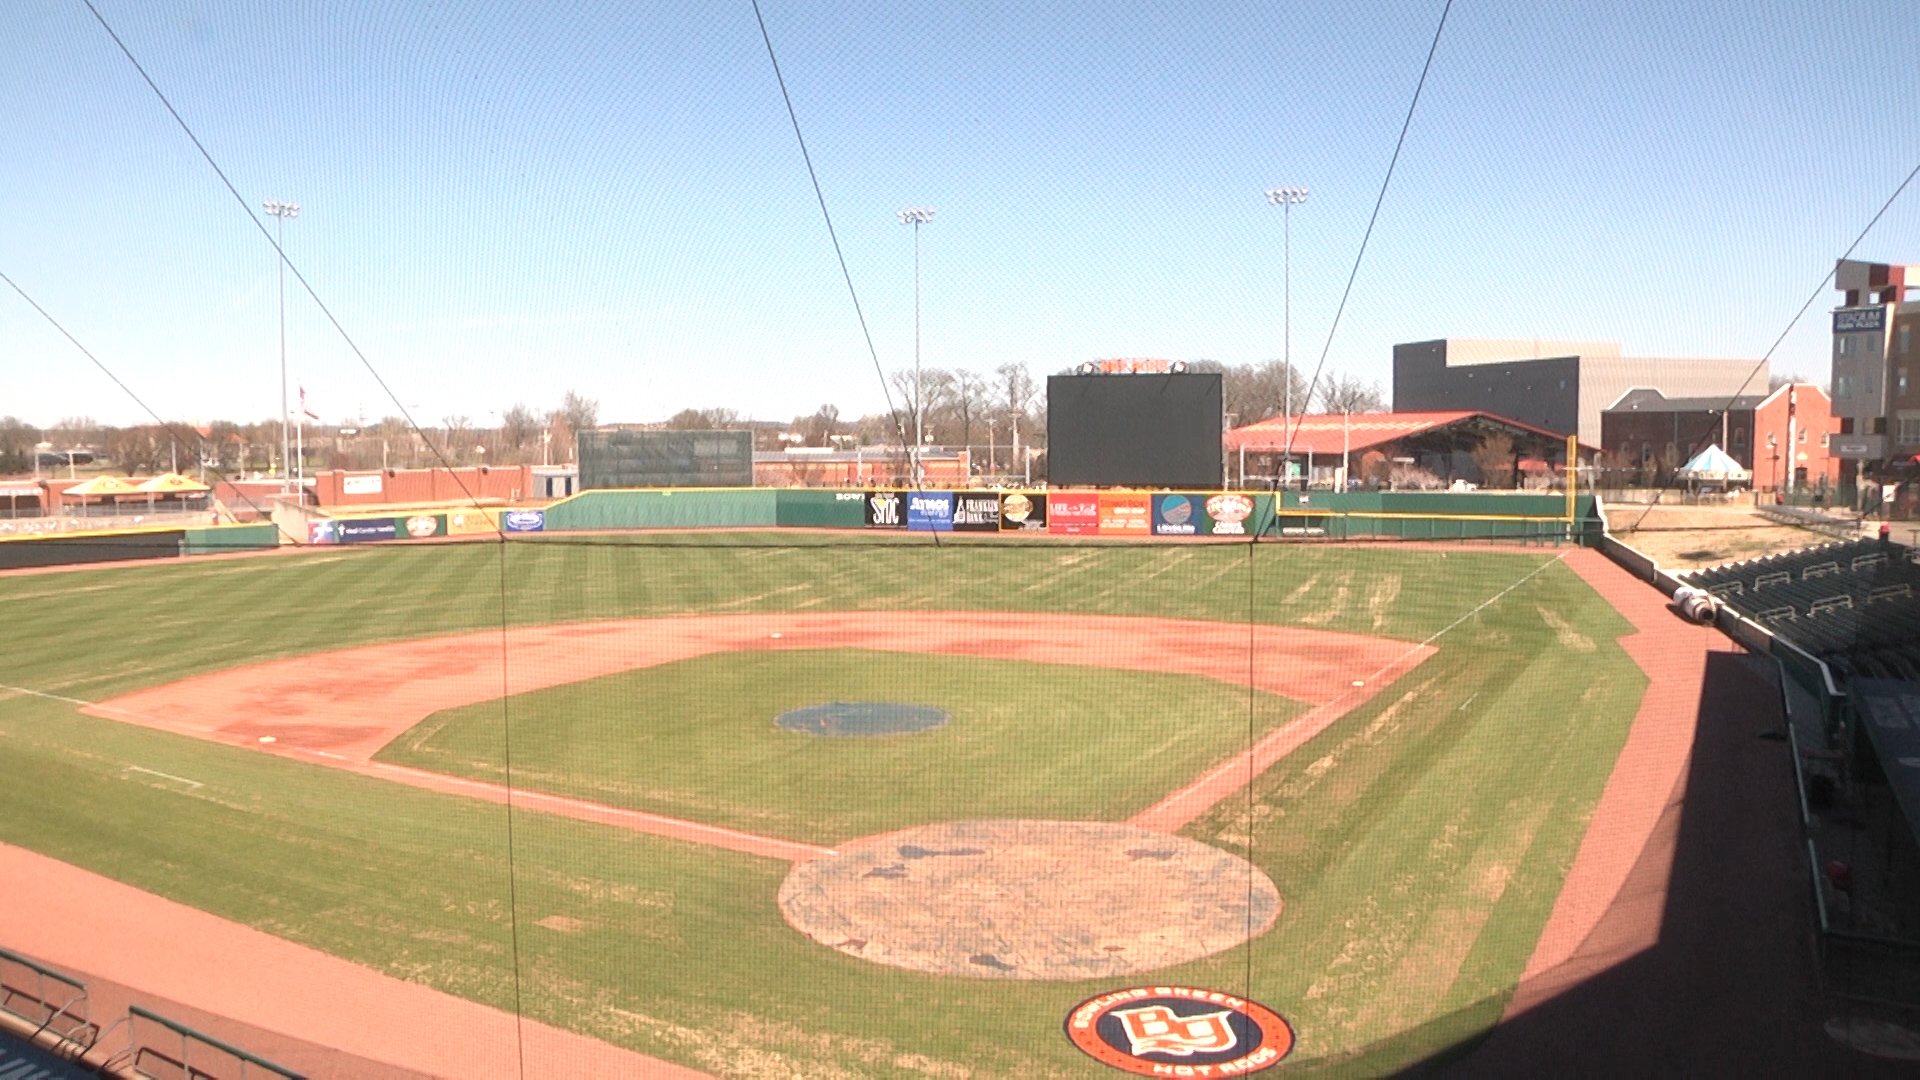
1876	369
1782	437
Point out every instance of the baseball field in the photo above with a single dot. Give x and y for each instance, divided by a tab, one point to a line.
564	778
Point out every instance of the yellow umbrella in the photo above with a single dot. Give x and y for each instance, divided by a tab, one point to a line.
101	486
172	484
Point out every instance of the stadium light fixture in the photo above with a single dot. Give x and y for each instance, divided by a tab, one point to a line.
1286	199
917	216
281	211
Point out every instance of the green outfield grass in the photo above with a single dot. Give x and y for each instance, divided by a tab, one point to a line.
1418	842
696	739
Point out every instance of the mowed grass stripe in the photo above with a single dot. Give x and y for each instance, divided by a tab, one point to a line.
679	950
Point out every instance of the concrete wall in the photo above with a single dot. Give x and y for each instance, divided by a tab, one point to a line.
1544	392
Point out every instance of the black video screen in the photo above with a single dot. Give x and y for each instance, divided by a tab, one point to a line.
1156	431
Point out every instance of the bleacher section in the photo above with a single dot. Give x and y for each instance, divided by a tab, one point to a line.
1855	605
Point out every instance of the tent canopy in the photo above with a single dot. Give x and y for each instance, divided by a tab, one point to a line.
99	487
1714	463
172	484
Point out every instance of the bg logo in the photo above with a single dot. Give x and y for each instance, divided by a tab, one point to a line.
1158	1029
1179	1031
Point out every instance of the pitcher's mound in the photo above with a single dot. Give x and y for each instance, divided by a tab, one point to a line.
1029	899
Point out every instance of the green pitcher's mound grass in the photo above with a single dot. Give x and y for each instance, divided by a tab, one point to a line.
697	739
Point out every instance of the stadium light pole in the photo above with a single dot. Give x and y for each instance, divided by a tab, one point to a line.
917	216
281	211
1286	199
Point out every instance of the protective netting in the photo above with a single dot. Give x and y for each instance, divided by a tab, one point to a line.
580	781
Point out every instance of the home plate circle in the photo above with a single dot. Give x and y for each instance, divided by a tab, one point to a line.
1029	899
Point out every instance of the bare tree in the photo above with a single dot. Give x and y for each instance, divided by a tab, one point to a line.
1350	394
581	413
702	419
459	437
936	385
1494	458
819	429
72	431
518	425
1253	392
969	402
1015	389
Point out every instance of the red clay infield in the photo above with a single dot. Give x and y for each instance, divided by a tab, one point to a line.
339	708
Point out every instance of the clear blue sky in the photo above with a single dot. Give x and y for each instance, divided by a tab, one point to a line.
506	200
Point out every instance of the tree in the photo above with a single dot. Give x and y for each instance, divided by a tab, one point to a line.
820	428
17	441
459	439
518	425
1494	458
1350	394
969	402
702	419
581	413
919	399
1253	392
1015	389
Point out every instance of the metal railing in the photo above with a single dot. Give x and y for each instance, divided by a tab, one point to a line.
51	1002
217	1060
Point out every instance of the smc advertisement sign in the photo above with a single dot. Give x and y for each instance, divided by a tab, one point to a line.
886	510
523	521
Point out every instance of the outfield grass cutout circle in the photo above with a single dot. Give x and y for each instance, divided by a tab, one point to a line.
854	719
1029	899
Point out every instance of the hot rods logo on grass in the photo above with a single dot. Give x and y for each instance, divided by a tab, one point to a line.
1179	1031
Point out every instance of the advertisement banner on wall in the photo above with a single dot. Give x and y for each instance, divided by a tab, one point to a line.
422	526
930	511
524	521
1073	513
976	511
1023	512
358	530
1177	515
368	484
1226	515
1125	515
322	532
886	510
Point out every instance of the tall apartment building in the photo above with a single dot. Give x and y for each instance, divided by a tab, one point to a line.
1876	367
1562	386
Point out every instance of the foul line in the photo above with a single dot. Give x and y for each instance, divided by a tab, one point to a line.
163	775
1303	727
97	707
